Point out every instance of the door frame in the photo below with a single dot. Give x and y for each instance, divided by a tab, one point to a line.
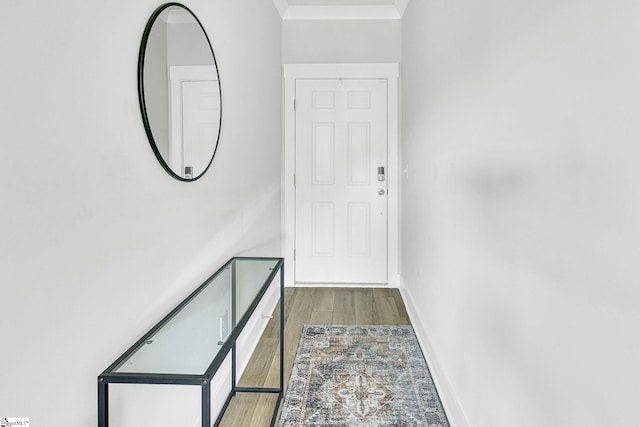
382	71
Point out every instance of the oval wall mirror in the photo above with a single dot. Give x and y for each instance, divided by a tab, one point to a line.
179	92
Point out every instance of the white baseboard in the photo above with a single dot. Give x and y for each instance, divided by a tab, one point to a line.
341	285
447	395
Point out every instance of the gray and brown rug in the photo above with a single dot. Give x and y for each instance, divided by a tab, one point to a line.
369	376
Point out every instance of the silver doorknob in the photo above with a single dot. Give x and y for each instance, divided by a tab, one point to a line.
381	192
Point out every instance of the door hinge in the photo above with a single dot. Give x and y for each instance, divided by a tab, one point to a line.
294	180
294	104
294	254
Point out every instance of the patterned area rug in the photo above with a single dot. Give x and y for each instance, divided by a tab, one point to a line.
369	376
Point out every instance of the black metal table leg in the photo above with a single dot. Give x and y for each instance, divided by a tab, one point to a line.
206	404
103	403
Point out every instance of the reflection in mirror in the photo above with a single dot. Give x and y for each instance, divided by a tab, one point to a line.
179	92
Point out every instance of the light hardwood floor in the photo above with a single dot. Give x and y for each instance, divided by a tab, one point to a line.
337	306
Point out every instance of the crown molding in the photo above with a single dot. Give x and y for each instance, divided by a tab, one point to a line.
401	5
344	12
340	12
282	6
177	16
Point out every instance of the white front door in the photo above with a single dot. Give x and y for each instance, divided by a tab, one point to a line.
194	118
200	123
341	188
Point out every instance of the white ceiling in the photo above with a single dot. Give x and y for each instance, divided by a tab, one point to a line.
341	9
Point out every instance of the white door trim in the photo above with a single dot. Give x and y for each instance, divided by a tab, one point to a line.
387	71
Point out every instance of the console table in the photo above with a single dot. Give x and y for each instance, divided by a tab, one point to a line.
189	344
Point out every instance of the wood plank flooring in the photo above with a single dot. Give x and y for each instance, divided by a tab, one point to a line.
336	306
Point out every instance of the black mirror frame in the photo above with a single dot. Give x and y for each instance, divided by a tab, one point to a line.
141	97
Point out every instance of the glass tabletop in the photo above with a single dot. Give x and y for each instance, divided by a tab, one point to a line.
191	337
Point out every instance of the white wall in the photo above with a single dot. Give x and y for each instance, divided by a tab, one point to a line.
331	41
156	89
521	206
97	241
181	35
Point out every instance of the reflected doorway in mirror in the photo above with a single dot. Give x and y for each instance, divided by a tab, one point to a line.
195	117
